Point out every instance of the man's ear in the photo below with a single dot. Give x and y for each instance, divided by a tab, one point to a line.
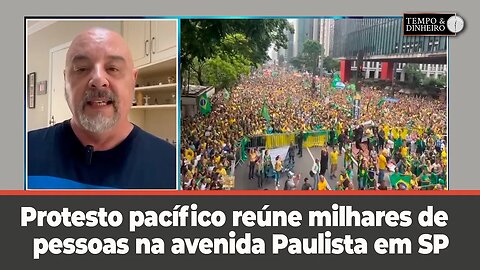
135	75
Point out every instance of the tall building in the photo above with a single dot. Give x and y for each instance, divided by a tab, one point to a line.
386	51
323	33
320	30
303	32
289	52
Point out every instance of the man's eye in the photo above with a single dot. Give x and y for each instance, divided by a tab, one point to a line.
80	69
114	69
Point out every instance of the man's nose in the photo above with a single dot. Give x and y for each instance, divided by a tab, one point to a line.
99	78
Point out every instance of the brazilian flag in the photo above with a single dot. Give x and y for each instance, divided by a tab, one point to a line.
204	104
396	178
265	112
380	103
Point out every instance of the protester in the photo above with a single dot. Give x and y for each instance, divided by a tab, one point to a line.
306	185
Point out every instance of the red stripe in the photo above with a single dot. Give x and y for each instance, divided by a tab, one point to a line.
238	193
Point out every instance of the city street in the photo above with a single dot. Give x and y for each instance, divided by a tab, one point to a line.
302	165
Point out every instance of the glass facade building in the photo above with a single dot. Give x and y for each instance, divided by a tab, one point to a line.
380	36
385	50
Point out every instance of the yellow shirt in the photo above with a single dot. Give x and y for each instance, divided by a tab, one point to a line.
253	156
382	162
334	157
222	171
386	129
420	131
414	182
404	133
444	157
189	154
322	185
278	165
395	133
404	151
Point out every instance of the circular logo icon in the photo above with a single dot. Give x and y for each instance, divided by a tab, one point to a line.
455	24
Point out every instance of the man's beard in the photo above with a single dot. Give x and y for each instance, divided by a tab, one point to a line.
97	123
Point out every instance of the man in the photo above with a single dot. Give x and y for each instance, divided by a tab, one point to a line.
381	139
322	183
289	184
278	170
344	181
259	171
252	157
300	143
341	141
362	176
98	147
291	154
306	185
323	161
333	163
315	171
358	136
331	137
382	167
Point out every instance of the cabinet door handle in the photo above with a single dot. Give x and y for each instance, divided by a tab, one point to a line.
153	45
146	51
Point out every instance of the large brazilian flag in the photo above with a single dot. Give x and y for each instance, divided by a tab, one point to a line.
396	178
204	104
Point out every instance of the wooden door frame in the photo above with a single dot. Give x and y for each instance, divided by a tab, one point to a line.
50	76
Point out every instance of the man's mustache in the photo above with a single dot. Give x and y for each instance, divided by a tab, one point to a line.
94	94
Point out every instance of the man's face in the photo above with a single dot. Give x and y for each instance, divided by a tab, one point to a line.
99	80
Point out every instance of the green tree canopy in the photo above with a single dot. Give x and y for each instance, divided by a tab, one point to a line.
309	57
229	62
297	62
330	64
414	75
312	50
200	38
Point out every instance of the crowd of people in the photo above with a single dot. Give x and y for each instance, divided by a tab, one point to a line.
406	135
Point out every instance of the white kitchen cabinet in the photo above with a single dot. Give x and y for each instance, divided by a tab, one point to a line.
151	41
155	57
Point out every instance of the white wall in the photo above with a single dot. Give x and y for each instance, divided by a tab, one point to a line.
39	45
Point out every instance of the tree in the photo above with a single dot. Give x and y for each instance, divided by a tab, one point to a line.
297	62
200	38
440	82
312	50
231	48
220	73
197	69
331	65
414	75
229	63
